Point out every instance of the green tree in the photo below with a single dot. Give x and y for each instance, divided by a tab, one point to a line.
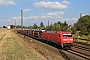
84	30
30	27
77	25
64	24
83	25
42	25
35	26
73	30
18	26
56	27
59	23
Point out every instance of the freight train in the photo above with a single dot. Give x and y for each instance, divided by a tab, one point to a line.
60	39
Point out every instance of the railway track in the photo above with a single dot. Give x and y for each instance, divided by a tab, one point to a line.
84	56
81	47
64	55
81	51
78	50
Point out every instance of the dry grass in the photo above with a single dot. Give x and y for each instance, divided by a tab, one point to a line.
13	47
82	41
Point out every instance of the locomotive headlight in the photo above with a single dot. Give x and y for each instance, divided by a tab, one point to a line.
71	39
64	39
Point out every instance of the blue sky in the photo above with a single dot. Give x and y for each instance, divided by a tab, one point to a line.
36	11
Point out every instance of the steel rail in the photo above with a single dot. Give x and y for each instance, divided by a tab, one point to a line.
64	55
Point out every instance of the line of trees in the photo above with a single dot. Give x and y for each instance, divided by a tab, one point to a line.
54	27
82	25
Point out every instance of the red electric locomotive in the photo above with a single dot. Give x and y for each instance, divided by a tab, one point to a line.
61	39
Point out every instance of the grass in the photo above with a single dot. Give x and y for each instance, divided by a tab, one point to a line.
13	52
82	41
2	37
82	37
15	49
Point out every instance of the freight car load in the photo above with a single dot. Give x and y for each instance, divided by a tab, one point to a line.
61	39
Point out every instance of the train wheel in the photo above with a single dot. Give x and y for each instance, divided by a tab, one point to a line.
67	47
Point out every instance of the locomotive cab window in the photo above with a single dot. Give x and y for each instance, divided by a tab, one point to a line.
67	35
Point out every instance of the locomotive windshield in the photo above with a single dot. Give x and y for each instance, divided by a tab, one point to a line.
67	35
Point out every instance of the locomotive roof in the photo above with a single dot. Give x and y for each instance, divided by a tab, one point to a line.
51	31
57	31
